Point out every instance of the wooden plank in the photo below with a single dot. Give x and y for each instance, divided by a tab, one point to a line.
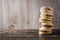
33	11
4	13
1	22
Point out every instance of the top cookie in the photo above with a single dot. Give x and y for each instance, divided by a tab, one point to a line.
46	9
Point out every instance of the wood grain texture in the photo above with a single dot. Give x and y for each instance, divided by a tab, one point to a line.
25	13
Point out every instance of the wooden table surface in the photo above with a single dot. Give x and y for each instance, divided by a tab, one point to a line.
31	34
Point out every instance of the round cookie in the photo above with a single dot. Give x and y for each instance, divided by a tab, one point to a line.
48	32
44	30
45	16
46	9
44	20
48	25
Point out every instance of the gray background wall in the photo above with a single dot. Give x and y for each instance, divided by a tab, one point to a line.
25	13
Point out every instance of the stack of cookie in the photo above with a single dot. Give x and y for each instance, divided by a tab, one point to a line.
46	20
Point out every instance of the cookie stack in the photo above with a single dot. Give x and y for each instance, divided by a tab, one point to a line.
45	19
